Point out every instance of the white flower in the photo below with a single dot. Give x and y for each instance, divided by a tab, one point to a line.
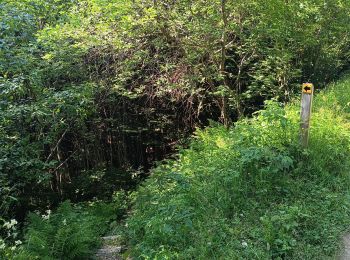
18	242
13	248
7	225
10	224
65	222
46	217
244	244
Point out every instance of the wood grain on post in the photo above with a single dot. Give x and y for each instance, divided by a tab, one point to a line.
306	107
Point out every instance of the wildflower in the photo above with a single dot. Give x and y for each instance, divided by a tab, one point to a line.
7	225
47	216
18	242
244	244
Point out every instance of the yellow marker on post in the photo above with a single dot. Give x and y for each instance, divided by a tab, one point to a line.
308	88
306	107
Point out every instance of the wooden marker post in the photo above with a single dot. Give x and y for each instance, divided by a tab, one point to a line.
306	106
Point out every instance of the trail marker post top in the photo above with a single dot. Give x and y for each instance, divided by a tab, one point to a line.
308	88
306	107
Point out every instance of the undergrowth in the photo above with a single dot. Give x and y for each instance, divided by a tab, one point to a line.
250	192
72	231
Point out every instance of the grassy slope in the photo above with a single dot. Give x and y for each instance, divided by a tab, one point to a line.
250	192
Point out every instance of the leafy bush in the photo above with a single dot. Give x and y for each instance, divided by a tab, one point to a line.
250	192
9	238
71	232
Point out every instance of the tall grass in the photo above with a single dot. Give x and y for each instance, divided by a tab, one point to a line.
251	192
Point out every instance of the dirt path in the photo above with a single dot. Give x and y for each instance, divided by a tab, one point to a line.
345	254
111	249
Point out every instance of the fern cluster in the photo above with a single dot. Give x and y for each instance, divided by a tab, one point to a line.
72	232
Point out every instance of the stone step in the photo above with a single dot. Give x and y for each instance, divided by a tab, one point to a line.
111	249
109	253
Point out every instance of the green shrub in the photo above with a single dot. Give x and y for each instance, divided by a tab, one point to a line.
9	238
71	232
250	192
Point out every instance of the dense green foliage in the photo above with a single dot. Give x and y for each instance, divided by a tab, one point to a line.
249	192
92	89
94	92
67	234
71	232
